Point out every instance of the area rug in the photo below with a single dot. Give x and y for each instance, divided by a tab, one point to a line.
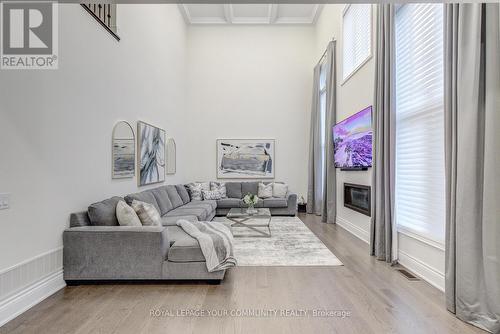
291	244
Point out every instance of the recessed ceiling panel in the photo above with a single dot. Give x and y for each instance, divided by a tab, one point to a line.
250	10
250	13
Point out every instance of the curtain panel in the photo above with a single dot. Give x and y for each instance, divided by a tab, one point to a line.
382	232
472	156
321	195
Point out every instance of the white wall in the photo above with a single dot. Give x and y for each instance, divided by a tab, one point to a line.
250	82
56	126
353	95
424	257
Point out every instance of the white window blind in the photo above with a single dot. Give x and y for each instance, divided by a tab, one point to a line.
356	37
420	188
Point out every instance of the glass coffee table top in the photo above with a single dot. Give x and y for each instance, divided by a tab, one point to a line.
257	223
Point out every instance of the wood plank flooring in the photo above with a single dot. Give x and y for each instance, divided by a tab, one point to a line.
378	299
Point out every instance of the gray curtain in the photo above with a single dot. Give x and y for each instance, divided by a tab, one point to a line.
472	156
384	129
315	183
321	195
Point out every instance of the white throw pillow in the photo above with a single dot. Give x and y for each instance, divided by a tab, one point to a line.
205	186
147	213
220	187
280	190
211	194
195	191
126	215
265	190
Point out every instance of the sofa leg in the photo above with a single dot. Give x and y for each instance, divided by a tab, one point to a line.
214	281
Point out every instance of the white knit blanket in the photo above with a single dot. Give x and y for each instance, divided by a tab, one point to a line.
216	243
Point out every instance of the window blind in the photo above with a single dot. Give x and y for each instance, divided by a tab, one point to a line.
419	102
356	36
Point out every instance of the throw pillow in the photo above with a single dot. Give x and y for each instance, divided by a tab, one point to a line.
195	191
126	215
147	213
183	193
211	194
220	187
280	190
104	213
204	186
265	190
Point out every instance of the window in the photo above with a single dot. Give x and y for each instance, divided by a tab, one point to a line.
356	38
419	102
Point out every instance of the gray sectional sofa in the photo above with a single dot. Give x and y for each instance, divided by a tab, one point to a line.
97	248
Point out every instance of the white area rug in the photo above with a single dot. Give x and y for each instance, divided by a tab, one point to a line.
291	244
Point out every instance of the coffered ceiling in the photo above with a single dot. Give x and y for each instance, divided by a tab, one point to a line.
250	13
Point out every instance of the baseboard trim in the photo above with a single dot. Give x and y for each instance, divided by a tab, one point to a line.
30	296
353	229
422	270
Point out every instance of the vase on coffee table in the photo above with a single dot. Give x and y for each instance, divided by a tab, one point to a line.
251	210
251	200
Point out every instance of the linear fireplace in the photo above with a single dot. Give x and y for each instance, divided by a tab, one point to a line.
358	198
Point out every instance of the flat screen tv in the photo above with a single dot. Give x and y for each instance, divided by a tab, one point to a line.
352	139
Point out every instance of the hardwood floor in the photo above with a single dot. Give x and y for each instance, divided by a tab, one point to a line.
378	299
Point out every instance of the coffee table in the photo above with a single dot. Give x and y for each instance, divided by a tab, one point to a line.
241	218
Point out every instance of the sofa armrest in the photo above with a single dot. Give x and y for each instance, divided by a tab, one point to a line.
291	199
114	252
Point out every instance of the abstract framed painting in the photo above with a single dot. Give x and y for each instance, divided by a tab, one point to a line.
245	158
151	153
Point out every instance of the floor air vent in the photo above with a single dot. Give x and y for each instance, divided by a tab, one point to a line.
409	276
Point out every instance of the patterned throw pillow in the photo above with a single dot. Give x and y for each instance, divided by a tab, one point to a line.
280	190
205	186
147	213
265	190
195	191
126	215
220	187
211	194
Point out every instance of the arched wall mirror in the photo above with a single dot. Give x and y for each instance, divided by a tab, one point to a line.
171	152
123	151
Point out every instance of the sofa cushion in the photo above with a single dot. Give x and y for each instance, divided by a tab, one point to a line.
183	247
175	233
172	221
174	196
185	250
274	202
144	196
181	190
233	190
103	213
249	188
162	200
200	213
226	203
211	203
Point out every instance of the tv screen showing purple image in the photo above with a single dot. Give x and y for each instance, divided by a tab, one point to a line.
352	139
